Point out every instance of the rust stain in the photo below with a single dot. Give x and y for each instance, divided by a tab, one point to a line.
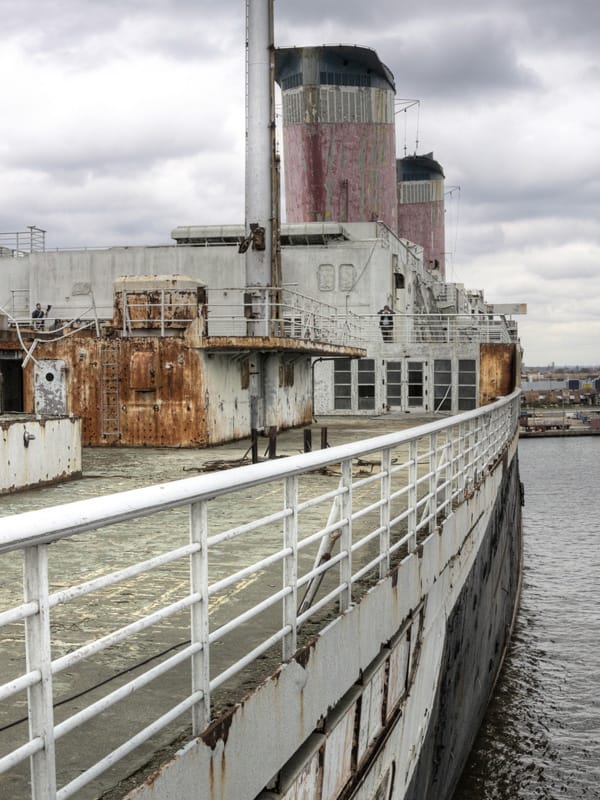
497	371
216	343
144	370
302	656
149	308
155	385
61	478
219	729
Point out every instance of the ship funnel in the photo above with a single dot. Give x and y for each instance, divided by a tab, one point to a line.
339	135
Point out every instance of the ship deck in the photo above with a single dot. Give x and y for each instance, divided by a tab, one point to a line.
430	471
108	470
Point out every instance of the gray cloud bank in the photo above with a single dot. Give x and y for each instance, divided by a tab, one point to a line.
122	120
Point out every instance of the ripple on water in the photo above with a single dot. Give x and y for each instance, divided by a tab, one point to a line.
541	737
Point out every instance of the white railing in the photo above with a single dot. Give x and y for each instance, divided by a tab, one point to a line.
228	312
19	243
185	586
280	312
408	329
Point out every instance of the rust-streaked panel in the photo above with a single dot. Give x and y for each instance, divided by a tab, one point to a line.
157	302
371	711
144	372
240	343
160	389
398	674
497	371
337	763
342	172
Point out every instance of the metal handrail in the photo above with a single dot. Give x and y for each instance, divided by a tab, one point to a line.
19	243
421	474
439	328
286	314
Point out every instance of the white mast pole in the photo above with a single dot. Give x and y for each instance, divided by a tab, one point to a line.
259	128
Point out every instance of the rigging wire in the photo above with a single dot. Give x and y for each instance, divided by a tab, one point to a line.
450	193
403	105
65	330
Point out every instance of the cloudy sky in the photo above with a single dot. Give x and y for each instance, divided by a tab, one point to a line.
123	119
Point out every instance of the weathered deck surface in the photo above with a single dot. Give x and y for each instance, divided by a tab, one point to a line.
107	470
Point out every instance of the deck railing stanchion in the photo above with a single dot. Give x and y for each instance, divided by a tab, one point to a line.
290	566
346	535
433	479
412	494
199	614
384	513
38	655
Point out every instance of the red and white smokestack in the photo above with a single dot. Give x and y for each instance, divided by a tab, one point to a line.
259	149
339	135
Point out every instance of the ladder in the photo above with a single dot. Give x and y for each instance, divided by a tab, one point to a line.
110	427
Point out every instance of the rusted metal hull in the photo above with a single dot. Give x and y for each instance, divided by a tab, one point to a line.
159	385
169	391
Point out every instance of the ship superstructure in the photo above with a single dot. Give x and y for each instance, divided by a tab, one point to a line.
276	322
333	622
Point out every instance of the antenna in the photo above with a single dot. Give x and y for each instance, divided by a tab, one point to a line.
402	105
452	253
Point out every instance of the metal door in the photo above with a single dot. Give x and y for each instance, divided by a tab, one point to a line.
406	385
50	388
416	385
394	384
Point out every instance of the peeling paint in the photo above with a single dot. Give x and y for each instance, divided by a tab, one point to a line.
218	731
497	371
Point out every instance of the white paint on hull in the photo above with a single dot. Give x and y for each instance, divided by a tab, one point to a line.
398	626
34	451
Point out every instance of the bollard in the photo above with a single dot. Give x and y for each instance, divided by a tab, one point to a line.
307	440
273	441
324	442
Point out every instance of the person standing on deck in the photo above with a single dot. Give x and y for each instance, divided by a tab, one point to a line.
386	323
38	315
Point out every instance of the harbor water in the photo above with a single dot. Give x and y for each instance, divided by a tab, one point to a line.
541	736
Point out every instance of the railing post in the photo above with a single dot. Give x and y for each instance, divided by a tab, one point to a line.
474	445
290	566
384	512
433	476
38	655
346	535
412	495
449	471
460	469
199	624
124	300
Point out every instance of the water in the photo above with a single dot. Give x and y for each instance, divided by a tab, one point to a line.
541	737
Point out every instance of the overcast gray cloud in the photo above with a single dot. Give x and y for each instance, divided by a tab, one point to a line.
121	120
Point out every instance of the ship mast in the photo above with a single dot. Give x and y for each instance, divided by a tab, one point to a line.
260	245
